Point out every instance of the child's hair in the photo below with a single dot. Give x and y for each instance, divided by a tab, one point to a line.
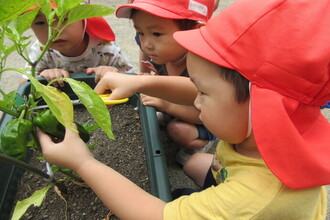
240	83
183	24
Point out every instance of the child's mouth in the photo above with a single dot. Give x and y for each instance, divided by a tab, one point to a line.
59	41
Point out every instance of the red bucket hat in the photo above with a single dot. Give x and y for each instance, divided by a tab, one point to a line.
97	26
199	10
283	48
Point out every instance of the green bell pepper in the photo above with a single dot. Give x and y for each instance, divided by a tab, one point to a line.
48	123
14	138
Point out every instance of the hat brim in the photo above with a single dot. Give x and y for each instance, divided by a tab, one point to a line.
194	41
293	138
124	11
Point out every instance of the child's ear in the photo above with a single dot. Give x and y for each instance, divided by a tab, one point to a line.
199	24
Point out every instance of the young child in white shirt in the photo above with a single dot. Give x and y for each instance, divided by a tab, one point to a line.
82	44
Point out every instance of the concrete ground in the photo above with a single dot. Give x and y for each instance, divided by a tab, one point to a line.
125	33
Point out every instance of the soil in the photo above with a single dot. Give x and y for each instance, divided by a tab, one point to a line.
125	154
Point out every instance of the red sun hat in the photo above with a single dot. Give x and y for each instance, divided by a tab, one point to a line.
96	26
199	10
99	27
283	48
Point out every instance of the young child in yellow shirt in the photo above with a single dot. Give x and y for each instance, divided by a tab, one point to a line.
262	74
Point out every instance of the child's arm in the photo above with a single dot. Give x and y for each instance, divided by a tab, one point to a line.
119	194
186	113
176	89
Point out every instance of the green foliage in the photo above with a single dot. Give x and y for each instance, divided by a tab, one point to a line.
86	11
35	199
58	102
14	22
93	103
15	19
10	10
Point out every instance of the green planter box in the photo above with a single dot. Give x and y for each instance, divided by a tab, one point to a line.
157	169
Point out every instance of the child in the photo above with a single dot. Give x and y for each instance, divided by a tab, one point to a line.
273	157
143	59
82	44
155	22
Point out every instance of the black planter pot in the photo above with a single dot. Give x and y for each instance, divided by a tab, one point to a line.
157	169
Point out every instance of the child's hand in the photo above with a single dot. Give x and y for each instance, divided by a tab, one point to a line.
70	153
51	74
160	104
121	85
100	71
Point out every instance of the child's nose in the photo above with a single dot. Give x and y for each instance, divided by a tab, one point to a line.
146	43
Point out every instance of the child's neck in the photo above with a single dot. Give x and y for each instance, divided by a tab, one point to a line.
248	148
80	47
177	67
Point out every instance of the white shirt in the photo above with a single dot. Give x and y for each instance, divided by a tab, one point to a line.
98	53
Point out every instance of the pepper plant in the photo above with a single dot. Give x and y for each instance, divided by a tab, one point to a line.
19	132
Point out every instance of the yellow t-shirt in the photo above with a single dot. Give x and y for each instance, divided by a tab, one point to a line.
249	191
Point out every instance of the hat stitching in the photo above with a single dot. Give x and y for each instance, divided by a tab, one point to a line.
301	95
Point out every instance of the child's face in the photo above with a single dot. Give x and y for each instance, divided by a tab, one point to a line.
156	36
69	43
219	111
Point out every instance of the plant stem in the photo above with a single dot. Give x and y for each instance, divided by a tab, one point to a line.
71	175
23	165
8	111
15	69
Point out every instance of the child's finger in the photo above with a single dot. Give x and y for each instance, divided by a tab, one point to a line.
46	76
101	86
97	78
62	74
90	70
44	139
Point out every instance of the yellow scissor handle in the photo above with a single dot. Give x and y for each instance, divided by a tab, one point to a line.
112	102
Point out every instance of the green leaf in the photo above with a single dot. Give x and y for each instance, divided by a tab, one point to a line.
93	103
92	127
9	10
58	102
55	168
12	33
64	6
35	199
24	21
46	7
7	105
81	12
90	146
10	96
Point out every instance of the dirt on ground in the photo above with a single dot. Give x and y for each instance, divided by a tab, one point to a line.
73	200
125	154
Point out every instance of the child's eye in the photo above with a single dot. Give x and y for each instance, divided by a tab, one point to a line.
140	33
157	34
39	23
